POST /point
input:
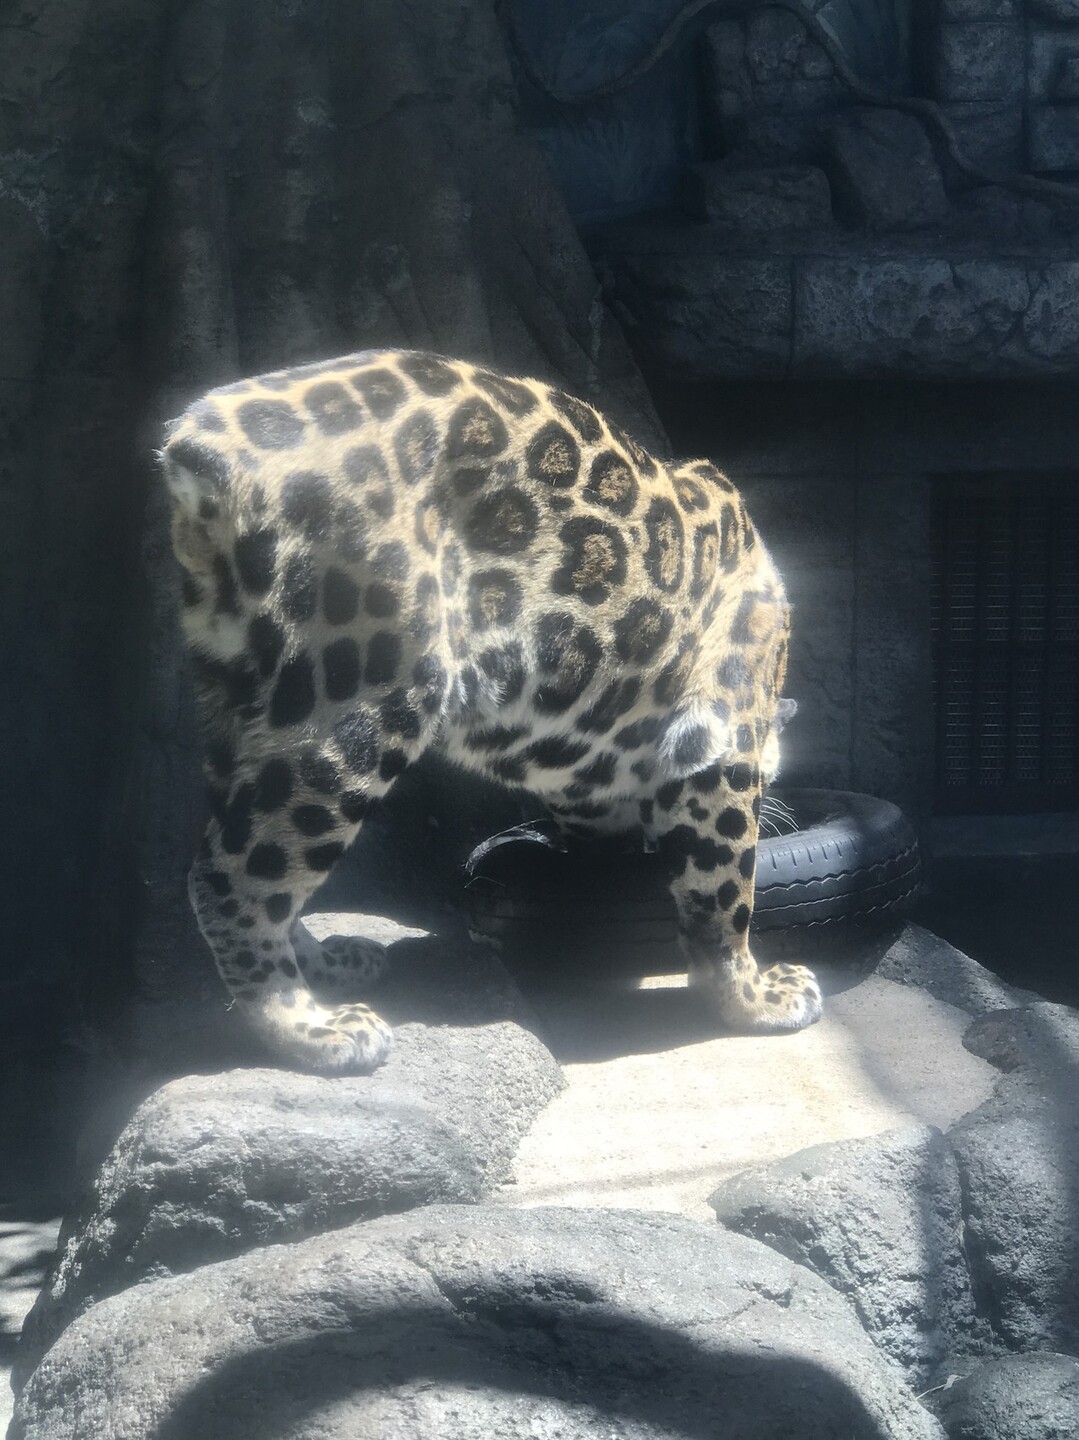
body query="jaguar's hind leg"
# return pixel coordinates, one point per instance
(706, 827)
(276, 832)
(346, 963)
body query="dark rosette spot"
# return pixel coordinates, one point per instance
(267, 641)
(684, 843)
(504, 667)
(256, 553)
(267, 862)
(381, 601)
(236, 819)
(729, 538)
(365, 465)
(733, 672)
(691, 493)
(671, 682)
(293, 697)
(512, 395)
(476, 432)
(705, 558)
(392, 764)
(740, 920)
(355, 805)
(747, 863)
(556, 752)
(319, 773)
(691, 747)
(312, 820)
(707, 781)
(341, 668)
(300, 588)
(495, 737)
(742, 776)
(273, 786)
(355, 737)
(593, 560)
(727, 894)
(381, 389)
(642, 631)
(191, 592)
(641, 732)
(553, 456)
(619, 697)
(332, 408)
(340, 597)
(502, 522)
(205, 464)
(398, 716)
(581, 416)
(416, 447)
(323, 857)
(665, 557)
(307, 503)
(510, 769)
(390, 561)
(568, 656)
(494, 598)
(732, 823)
(271, 424)
(278, 907)
(429, 373)
(430, 675)
(383, 657)
(600, 771)
(612, 483)
(208, 417)
(227, 598)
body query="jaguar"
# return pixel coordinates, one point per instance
(393, 551)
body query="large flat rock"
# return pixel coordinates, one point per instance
(657, 1111)
(478, 1322)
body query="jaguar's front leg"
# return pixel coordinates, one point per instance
(706, 828)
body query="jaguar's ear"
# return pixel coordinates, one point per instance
(785, 711)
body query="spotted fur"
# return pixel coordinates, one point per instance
(392, 551)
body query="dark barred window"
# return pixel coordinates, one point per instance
(1005, 607)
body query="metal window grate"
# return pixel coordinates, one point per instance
(1005, 616)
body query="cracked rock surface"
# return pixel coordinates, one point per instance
(476, 1321)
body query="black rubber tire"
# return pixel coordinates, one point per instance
(849, 873)
(852, 855)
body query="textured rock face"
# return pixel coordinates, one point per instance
(883, 171)
(759, 199)
(1017, 1397)
(211, 1166)
(881, 1221)
(477, 1322)
(1018, 1157)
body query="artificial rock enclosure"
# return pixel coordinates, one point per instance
(829, 245)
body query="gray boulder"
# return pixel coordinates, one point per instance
(880, 1220)
(883, 171)
(1039, 1037)
(214, 1165)
(759, 199)
(1018, 1159)
(1015, 1397)
(478, 1322)
(924, 960)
